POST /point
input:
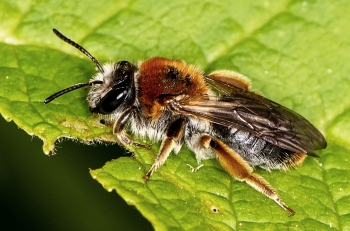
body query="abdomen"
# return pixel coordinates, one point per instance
(255, 151)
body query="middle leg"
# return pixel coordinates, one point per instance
(174, 135)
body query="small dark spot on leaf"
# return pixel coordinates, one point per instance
(214, 209)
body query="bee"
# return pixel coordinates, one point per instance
(214, 115)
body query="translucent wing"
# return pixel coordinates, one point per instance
(261, 117)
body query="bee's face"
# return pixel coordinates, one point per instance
(116, 90)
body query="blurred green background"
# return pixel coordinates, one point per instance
(39, 192)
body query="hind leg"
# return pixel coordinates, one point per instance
(235, 165)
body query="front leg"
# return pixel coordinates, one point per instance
(122, 136)
(174, 134)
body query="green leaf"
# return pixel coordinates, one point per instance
(295, 52)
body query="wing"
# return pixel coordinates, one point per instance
(261, 117)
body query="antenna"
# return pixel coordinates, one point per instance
(69, 89)
(80, 48)
(79, 85)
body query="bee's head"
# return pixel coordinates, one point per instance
(117, 89)
(110, 89)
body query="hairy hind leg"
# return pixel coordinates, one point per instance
(235, 165)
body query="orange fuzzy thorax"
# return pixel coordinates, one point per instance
(161, 76)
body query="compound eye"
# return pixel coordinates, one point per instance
(124, 63)
(112, 100)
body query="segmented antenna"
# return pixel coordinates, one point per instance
(79, 85)
(69, 89)
(80, 48)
